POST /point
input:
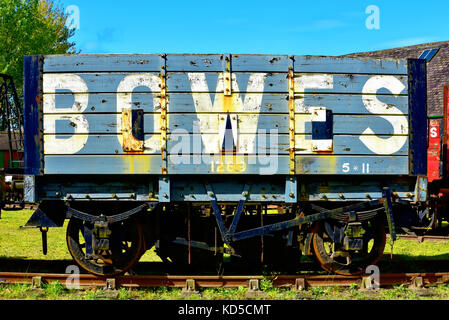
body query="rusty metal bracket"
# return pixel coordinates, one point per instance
(227, 76)
(163, 117)
(291, 114)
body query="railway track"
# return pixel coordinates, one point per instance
(422, 238)
(192, 282)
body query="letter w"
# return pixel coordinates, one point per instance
(208, 112)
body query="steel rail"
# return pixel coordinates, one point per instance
(423, 237)
(184, 281)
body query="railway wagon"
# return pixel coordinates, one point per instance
(437, 169)
(210, 157)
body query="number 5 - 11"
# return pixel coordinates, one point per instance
(346, 167)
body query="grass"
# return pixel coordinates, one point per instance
(26, 243)
(17, 243)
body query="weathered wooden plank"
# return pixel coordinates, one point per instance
(256, 102)
(349, 145)
(259, 63)
(357, 124)
(349, 65)
(228, 164)
(350, 83)
(210, 123)
(185, 103)
(102, 63)
(213, 62)
(418, 115)
(278, 83)
(275, 144)
(32, 115)
(196, 164)
(186, 144)
(188, 190)
(355, 189)
(213, 82)
(94, 123)
(260, 82)
(247, 123)
(101, 103)
(80, 83)
(96, 144)
(100, 164)
(352, 165)
(347, 104)
(195, 62)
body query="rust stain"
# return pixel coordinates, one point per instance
(130, 143)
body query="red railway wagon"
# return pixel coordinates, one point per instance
(438, 164)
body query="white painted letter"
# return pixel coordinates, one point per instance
(398, 120)
(78, 87)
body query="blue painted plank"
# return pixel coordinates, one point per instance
(209, 123)
(273, 83)
(100, 103)
(194, 62)
(99, 82)
(185, 144)
(418, 116)
(213, 62)
(226, 190)
(32, 116)
(180, 82)
(278, 83)
(322, 64)
(355, 190)
(259, 62)
(352, 165)
(97, 144)
(346, 83)
(228, 164)
(343, 124)
(184, 103)
(102, 63)
(97, 165)
(347, 104)
(347, 145)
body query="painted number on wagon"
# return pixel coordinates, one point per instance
(347, 167)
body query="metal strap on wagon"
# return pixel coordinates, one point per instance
(111, 219)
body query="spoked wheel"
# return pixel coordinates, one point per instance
(126, 247)
(334, 258)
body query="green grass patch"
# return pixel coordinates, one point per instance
(26, 243)
(412, 250)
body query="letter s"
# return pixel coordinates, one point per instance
(398, 120)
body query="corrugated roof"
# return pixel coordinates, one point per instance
(437, 69)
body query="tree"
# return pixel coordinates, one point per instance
(31, 27)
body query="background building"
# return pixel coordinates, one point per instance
(437, 68)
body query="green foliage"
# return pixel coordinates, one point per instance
(30, 27)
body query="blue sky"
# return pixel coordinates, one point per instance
(265, 27)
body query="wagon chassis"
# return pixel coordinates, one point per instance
(97, 229)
